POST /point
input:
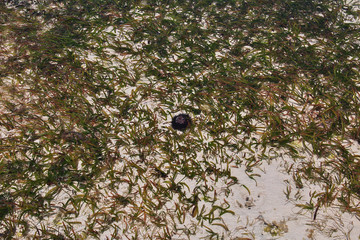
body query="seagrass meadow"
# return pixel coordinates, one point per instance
(89, 89)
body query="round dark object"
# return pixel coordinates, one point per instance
(181, 122)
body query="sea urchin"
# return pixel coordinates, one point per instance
(181, 122)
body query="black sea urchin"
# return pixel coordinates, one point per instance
(181, 122)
